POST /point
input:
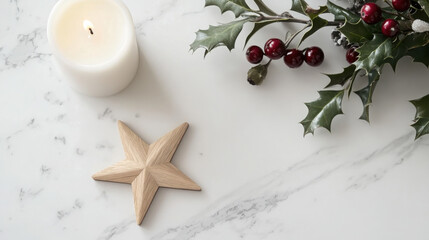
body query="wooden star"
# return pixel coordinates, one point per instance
(147, 167)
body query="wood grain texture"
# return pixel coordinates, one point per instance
(147, 167)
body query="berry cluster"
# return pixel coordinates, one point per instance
(371, 14)
(275, 49)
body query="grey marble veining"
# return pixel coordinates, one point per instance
(271, 192)
(260, 178)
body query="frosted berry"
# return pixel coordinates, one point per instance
(390, 28)
(314, 56)
(371, 13)
(352, 55)
(274, 48)
(293, 58)
(254, 54)
(401, 5)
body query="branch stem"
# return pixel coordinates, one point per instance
(399, 14)
(293, 20)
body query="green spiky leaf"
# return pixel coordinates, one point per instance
(421, 126)
(366, 93)
(356, 32)
(341, 78)
(420, 55)
(374, 54)
(316, 24)
(340, 14)
(421, 120)
(415, 40)
(420, 14)
(422, 107)
(417, 45)
(323, 110)
(299, 6)
(238, 7)
(222, 35)
(302, 7)
(406, 45)
(398, 51)
(425, 5)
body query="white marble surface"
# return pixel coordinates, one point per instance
(260, 178)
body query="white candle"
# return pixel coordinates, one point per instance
(94, 45)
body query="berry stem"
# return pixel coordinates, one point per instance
(392, 13)
(295, 34)
(399, 14)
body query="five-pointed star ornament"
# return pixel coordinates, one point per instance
(147, 167)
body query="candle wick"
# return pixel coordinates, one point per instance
(90, 31)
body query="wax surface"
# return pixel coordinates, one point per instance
(77, 43)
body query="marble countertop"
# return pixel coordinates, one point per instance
(260, 178)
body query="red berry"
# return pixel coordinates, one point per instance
(401, 5)
(371, 13)
(351, 55)
(390, 28)
(254, 54)
(314, 56)
(274, 48)
(293, 58)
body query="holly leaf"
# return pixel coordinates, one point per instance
(415, 40)
(380, 50)
(421, 14)
(299, 6)
(425, 5)
(414, 45)
(407, 44)
(222, 35)
(302, 7)
(316, 24)
(258, 25)
(366, 93)
(422, 106)
(356, 32)
(374, 53)
(264, 8)
(420, 54)
(421, 124)
(323, 110)
(236, 6)
(340, 14)
(398, 51)
(341, 78)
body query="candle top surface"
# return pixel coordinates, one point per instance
(90, 32)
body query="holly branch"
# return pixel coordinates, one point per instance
(373, 36)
